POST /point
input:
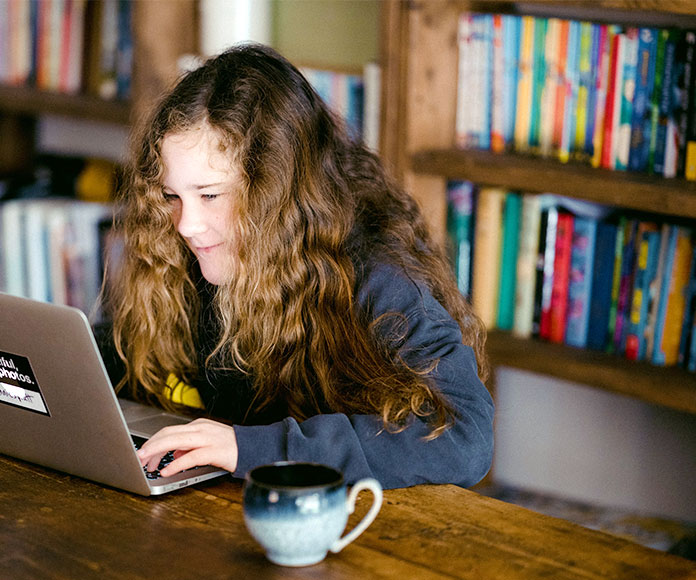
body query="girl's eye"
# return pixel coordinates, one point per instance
(170, 197)
(210, 196)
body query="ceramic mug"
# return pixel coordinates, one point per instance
(298, 511)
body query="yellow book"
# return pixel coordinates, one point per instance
(487, 247)
(525, 84)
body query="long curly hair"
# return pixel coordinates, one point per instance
(314, 204)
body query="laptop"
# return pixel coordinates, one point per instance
(58, 407)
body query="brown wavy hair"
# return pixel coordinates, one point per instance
(314, 206)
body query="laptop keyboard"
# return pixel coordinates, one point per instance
(166, 460)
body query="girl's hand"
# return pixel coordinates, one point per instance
(200, 442)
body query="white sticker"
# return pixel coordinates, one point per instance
(18, 385)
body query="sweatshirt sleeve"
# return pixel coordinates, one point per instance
(357, 444)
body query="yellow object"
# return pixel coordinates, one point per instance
(97, 181)
(182, 394)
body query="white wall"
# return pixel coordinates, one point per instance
(591, 445)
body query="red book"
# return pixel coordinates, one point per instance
(561, 277)
(609, 110)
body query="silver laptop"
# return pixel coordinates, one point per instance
(58, 407)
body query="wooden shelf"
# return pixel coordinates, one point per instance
(32, 102)
(670, 387)
(532, 174)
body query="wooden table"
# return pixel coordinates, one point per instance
(54, 526)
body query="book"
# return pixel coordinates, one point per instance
(688, 320)
(648, 251)
(676, 115)
(486, 267)
(508, 260)
(561, 277)
(460, 208)
(690, 145)
(625, 114)
(602, 83)
(527, 261)
(538, 80)
(552, 79)
(525, 80)
(549, 227)
(672, 299)
(511, 42)
(598, 329)
(585, 85)
(624, 284)
(664, 101)
(559, 103)
(463, 116)
(498, 86)
(684, 84)
(645, 82)
(580, 280)
(479, 84)
(613, 104)
(572, 76)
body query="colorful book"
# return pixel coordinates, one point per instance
(628, 84)
(539, 78)
(552, 80)
(625, 283)
(676, 117)
(613, 106)
(525, 83)
(689, 318)
(464, 119)
(595, 71)
(527, 260)
(690, 145)
(602, 282)
(511, 43)
(681, 106)
(645, 82)
(672, 300)
(572, 76)
(560, 98)
(549, 227)
(561, 277)
(580, 280)
(664, 101)
(460, 207)
(585, 84)
(486, 267)
(602, 84)
(508, 261)
(643, 292)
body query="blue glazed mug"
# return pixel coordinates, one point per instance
(298, 511)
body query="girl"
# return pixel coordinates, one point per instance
(273, 268)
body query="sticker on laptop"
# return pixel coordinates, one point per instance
(18, 386)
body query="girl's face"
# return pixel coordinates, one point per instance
(200, 184)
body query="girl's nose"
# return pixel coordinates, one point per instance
(190, 220)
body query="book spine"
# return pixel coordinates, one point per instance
(645, 80)
(560, 97)
(646, 268)
(463, 119)
(539, 77)
(592, 99)
(460, 207)
(689, 311)
(511, 43)
(572, 80)
(486, 266)
(628, 83)
(613, 112)
(561, 277)
(665, 101)
(527, 259)
(674, 129)
(508, 261)
(602, 84)
(551, 80)
(498, 95)
(580, 152)
(600, 294)
(672, 307)
(580, 280)
(626, 272)
(524, 84)
(550, 230)
(690, 146)
(685, 85)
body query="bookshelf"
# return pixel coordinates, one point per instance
(419, 51)
(154, 67)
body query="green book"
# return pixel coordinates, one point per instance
(508, 260)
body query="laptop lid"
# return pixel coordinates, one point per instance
(58, 407)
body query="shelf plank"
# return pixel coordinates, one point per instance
(30, 101)
(630, 190)
(670, 387)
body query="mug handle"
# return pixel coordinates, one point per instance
(376, 489)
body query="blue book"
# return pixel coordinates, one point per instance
(643, 293)
(592, 97)
(511, 42)
(645, 82)
(689, 311)
(573, 80)
(598, 333)
(580, 281)
(482, 44)
(664, 103)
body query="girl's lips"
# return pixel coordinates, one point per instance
(206, 249)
